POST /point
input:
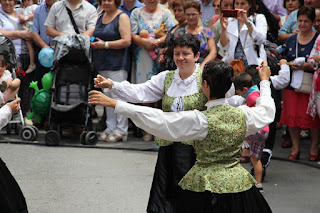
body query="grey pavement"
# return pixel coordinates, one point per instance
(116, 177)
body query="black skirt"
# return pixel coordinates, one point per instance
(250, 201)
(11, 197)
(173, 163)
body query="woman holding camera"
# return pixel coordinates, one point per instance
(245, 43)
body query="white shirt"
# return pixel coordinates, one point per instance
(249, 43)
(5, 115)
(282, 80)
(193, 125)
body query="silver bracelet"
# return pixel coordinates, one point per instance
(106, 45)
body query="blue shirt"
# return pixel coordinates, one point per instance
(128, 12)
(40, 16)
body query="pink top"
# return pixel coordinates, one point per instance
(251, 102)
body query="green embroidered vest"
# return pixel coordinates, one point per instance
(191, 102)
(217, 168)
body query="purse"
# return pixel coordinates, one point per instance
(307, 79)
(238, 66)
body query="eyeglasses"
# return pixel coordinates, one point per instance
(191, 14)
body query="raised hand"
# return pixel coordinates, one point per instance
(101, 82)
(98, 98)
(264, 71)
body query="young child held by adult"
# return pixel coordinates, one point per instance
(26, 18)
(8, 87)
(245, 88)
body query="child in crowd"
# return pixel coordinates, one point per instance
(8, 87)
(245, 88)
(26, 18)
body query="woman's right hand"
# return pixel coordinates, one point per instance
(101, 82)
(223, 22)
(150, 44)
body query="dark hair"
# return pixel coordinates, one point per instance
(252, 9)
(300, 1)
(178, 3)
(242, 80)
(192, 4)
(254, 73)
(219, 76)
(3, 61)
(117, 2)
(308, 11)
(187, 40)
(272, 22)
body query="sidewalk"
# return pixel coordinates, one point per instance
(69, 140)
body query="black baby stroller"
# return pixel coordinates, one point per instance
(8, 50)
(72, 81)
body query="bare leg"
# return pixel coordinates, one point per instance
(295, 138)
(13, 89)
(314, 141)
(257, 166)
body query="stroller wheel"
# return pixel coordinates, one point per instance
(36, 131)
(91, 138)
(27, 133)
(9, 128)
(83, 138)
(52, 138)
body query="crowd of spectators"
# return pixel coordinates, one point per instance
(122, 53)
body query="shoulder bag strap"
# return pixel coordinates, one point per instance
(72, 20)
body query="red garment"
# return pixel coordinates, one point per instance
(294, 109)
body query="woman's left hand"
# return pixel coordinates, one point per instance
(304, 66)
(98, 98)
(100, 44)
(242, 15)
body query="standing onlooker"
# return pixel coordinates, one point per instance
(128, 6)
(244, 87)
(217, 12)
(166, 61)
(26, 19)
(59, 23)
(290, 26)
(216, 28)
(208, 50)
(111, 60)
(40, 37)
(295, 103)
(291, 5)
(276, 8)
(207, 11)
(150, 18)
(11, 27)
(243, 37)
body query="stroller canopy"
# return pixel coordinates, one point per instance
(8, 49)
(67, 42)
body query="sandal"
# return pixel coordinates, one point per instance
(103, 135)
(115, 137)
(286, 144)
(293, 156)
(244, 159)
(313, 157)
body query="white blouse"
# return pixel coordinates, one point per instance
(193, 125)
(153, 89)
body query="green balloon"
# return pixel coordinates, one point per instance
(47, 81)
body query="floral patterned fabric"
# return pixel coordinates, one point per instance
(204, 37)
(190, 102)
(217, 168)
(139, 19)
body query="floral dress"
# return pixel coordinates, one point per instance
(205, 35)
(145, 66)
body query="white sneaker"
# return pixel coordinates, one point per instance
(260, 187)
(28, 122)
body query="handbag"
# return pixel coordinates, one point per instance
(307, 79)
(238, 66)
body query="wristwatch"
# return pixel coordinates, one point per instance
(249, 24)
